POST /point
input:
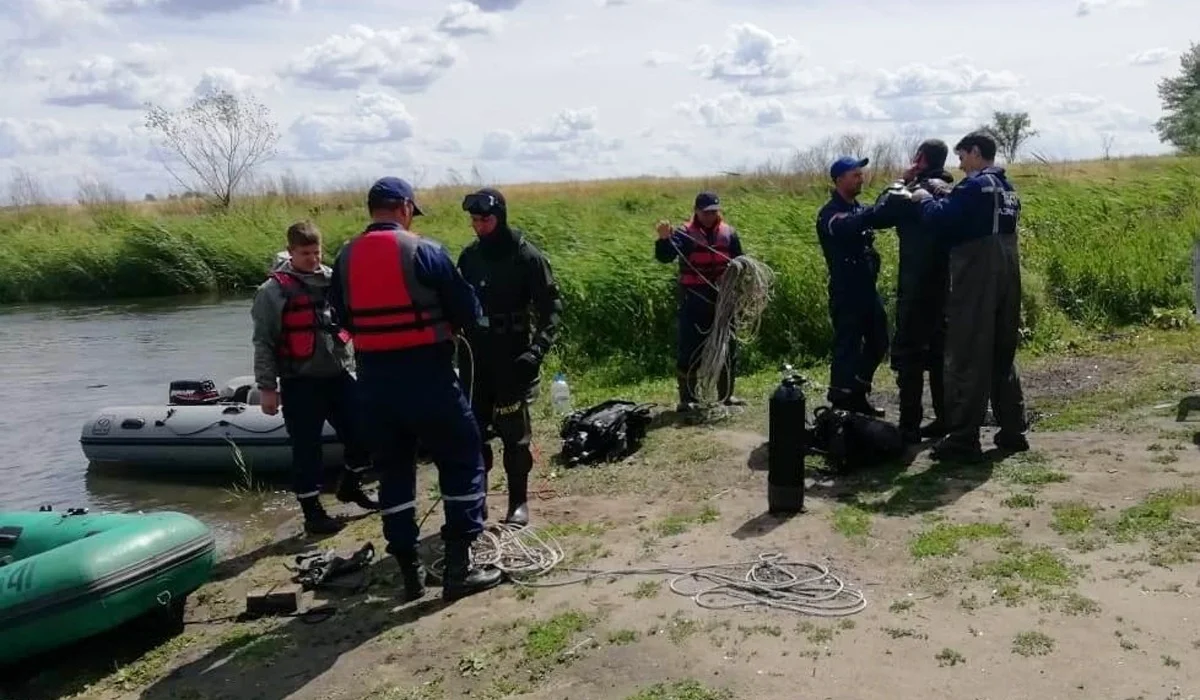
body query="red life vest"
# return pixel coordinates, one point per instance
(387, 306)
(706, 262)
(300, 324)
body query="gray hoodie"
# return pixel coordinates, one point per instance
(329, 359)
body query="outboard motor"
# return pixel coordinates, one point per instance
(192, 392)
(787, 443)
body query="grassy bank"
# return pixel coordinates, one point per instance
(1105, 243)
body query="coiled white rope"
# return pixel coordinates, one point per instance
(771, 580)
(742, 297)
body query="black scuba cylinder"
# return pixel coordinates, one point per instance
(787, 443)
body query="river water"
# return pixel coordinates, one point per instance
(60, 363)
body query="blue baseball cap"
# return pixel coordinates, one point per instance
(393, 189)
(708, 201)
(845, 164)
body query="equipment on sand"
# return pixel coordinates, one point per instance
(68, 576)
(606, 432)
(851, 440)
(787, 443)
(196, 432)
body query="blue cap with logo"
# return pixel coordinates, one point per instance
(708, 201)
(393, 189)
(845, 164)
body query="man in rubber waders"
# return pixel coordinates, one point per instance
(704, 245)
(920, 300)
(302, 362)
(514, 284)
(846, 231)
(403, 300)
(978, 222)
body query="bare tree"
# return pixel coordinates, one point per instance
(26, 190)
(1106, 142)
(220, 139)
(1011, 130)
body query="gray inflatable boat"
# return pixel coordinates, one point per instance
(196, 432)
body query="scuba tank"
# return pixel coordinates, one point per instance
(787, 443)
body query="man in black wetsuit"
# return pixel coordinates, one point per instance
(522, 309)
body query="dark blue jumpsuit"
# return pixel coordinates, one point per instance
(414, 395)
(860, 339)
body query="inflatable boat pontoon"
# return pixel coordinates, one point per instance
(196, 432)
(68, 576)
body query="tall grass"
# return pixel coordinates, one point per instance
(1104, 243)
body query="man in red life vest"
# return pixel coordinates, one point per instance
(704, 245)
(403, 299)
(298, 343)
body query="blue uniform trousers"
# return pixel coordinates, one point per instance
(306, 403)
(413, 396)
(860, 338)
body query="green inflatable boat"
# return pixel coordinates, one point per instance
(68, 576)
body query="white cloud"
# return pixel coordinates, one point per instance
(406, 59)
(659, 58)
(568, 137)
(1086, 7)
(757, 62)
(496, 5)
(920, 79)
(374, 118)
(127, 83)
(464, 18)
(1150, 57)
(230, 80)
(733, 109)
(52, 21)
(569, 92)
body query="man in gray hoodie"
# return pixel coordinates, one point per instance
(302, 360)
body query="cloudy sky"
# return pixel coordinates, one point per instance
(553, 89)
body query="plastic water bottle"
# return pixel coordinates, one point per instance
(560, 394)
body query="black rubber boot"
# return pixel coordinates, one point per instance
(350, 490)
(518, 497)
(687, 402)
(461, 578)
(1011, 441)
(956, 448)
(412, 575)
(316, 520)
(725, 384)
(910, 386)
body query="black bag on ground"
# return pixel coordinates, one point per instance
(851, 441)
(606, 432)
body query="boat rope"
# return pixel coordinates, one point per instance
(771, 580)
(743, 293)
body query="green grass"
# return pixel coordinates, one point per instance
(944, 539)
(1142, 214)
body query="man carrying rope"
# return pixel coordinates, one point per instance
(704, 246)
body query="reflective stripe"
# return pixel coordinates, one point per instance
(835, 217)
(996, 189)
(356, 470)
(310, 494)
(411, 505)
(466, 499)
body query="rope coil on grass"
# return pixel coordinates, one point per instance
(772, 580)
